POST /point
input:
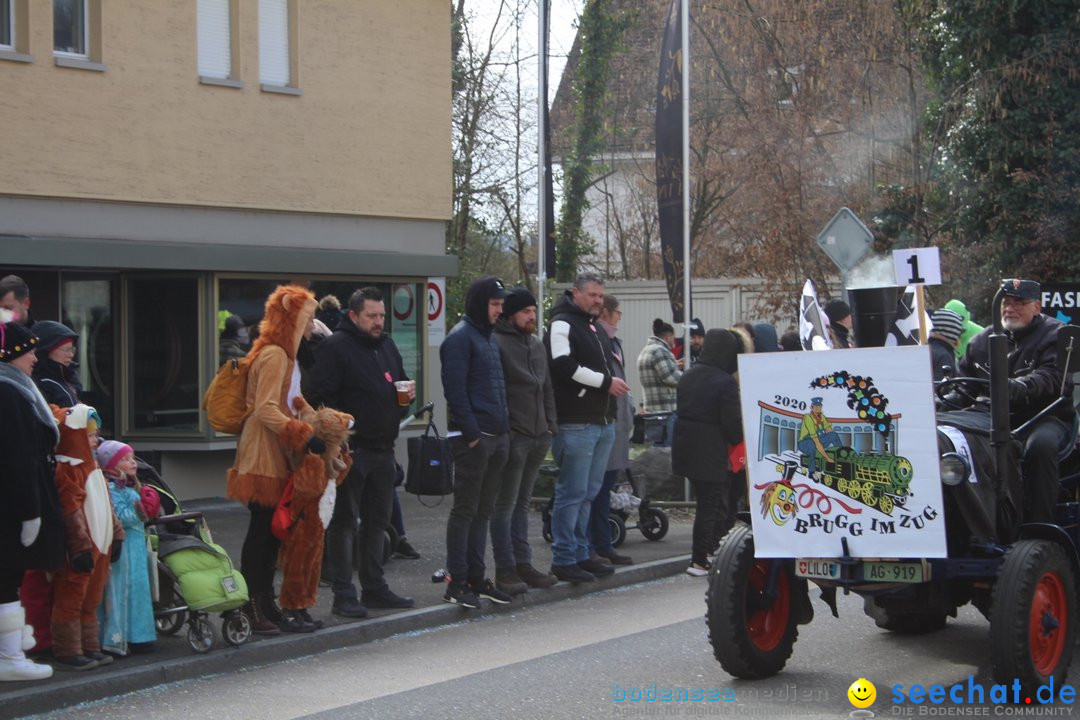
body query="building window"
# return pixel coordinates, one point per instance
(217, 39)
(277, 40)
(7, 25)
(86, 308)
(163, 389)
(70, 36)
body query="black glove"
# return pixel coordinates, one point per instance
(83, 562)
(316, 445)
(1017, 390)
(117, 547)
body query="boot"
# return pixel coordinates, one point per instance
(269, 607)
(259, 622)
(509, 582)
(13, 663)
(533, 577)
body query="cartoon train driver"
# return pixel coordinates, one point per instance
(815, 435)
(778, 499)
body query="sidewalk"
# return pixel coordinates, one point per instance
(173, 659)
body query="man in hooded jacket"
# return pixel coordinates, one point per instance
(475, 390)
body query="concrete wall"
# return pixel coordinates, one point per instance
(368, 135)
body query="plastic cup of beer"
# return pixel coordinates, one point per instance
(404, 388)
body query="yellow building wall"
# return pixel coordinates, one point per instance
(370, 135)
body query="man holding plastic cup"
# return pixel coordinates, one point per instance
(358, 370)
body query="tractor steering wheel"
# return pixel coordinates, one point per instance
(960, 386)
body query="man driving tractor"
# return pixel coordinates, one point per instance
(1034, 382)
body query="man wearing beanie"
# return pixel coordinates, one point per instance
(1034, 382)
(839, 314)
(531, 400)
(697, 339)
(475, 391)
(944, 337)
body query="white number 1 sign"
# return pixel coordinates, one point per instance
(917, 266)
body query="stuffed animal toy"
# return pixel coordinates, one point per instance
(315, 480)
(93, 536)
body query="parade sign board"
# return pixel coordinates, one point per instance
(842, 444)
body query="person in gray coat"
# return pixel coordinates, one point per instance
(619, 460)
(709, 423)
(531, 400)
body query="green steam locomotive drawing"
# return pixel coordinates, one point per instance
(879, 481)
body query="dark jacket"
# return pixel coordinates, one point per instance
(579, 356)
(1032, 361)
(355, 373)
(60, 385)
(472, 374)
(529, 392)
(709, 419)
(619, 459)
(27, 487)
(942, 359)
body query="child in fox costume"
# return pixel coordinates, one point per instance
(93, 535)
(315, 482)
(272, 432)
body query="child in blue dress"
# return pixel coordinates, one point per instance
(127, 611)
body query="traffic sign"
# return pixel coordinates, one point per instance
(845, 239)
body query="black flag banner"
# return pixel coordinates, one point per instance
(812, 321)
(905, 328)
(669, 155)
(549, 185)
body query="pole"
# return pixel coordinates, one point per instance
(686, 195)
(541, 232)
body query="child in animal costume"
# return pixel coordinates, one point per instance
(315, 482)
(94, 538)
(271, 433)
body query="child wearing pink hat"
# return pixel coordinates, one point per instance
(127, 610)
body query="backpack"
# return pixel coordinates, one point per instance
(225, 400)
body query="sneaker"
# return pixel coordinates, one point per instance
(385, 598)
(293, 622)
(699, 569)
(460, 594)
(487, 590)
(615, 558)
(406, 551)
(74, 662)
(599, 569)
(348, 607)
(260, 625)
(100, 657)
(509, 582)
(306, 617)
(533, 577)
(572, 573)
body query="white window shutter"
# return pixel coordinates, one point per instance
(274, 42)
(215, 39)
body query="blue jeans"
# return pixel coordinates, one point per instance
(582, 452)
(510, 520)
(809, 449)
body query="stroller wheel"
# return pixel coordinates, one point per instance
(170, 622)
(390, 541)
(618, 530)
(200, 634)
(236, 629)
(654, 524)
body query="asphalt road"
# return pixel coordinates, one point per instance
(570, 659)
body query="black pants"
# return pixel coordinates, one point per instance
(1039, 466)
(10, 580)
(366, 495)
(258, 557)
(713, 517)
(478, 473)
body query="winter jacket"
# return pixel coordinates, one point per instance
(1032, 360)
(942, 359)
(472, 374)
(60, 385)
(27, 486)
(529, 392)
(579, 357)
(619, 459)
(355, 373)
(659, 374)
(708, 419)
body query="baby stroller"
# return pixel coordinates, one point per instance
(195, 576)
(652, 522)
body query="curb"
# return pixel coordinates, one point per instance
(35, 699)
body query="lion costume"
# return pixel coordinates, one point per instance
(315, 481)
(272, 432)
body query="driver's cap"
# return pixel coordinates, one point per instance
(1023, 289)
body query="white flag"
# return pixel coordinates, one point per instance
(813, 321)
(905, 328)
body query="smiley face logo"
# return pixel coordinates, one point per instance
(862, 693)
